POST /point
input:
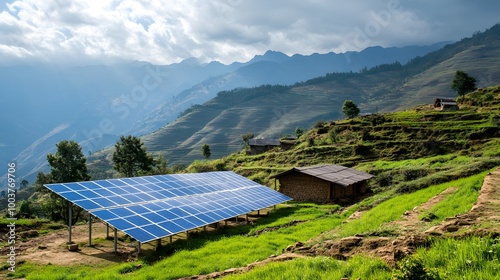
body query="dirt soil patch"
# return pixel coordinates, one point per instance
(52, 248)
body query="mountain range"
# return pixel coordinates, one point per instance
(95, 104)
(273, 111)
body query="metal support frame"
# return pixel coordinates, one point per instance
(90, 230)
(115, 240)
(107, 231)
(158, 242)
(70, 218)
(170, 238)
(246, 218)
(138, 248)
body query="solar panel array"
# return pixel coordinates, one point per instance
(153, 207)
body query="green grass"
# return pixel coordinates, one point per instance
(461, 200)
(210, 252)
(470, 258)
(320, 268)
(393, 208)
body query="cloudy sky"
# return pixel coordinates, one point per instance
(167, 31)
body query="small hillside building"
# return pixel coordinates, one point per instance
(323, 183)
(259, 146)
(445, 104)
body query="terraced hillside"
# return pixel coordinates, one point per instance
(433, 146)
(272, 111)
(434, 211)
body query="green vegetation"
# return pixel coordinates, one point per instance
(463, 83)
(68, 164)
(205, 150)
(469, 258)
(359, 267)
(131, 158)
(350, 109)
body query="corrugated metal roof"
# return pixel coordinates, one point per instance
(337, 174)
(448, 103)
(264, 142)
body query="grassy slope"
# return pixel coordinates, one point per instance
(465, 143)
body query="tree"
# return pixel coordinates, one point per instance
(350, 109)
(246, 138)
(160, 166)
(205, 149)
(299, 131)
(24, 183)
(131, 158)
(463, 83)
(68, 164)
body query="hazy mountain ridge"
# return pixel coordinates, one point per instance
(98, 103)
(273, 111)
(278, 68)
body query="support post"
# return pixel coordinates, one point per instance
(115, 239)
(258, 213)
(236, 220)
(204, 228)
(170, 238)
(246, 218)
(70, 218)
(225, 223)
(158, 242)
(90, 230)
(138, 248)
(107, 231)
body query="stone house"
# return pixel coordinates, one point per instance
(445, 104)
(259, 146)
(323, 183)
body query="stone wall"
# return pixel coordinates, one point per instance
(302, 187)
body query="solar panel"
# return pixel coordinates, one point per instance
(153, 207)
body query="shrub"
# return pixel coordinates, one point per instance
(414, 269)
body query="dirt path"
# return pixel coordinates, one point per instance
(411, 224)
(484, 217)
(482, 220)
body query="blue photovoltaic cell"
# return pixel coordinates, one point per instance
(140, 234)
(105, 214)
(153, 207)
(120, 224)
(155, 218)
(74, 186)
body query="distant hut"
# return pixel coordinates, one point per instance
(323, 183)
(288, 142)
(445, 104)
(259, 146)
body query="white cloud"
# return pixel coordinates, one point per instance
(163, 32)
